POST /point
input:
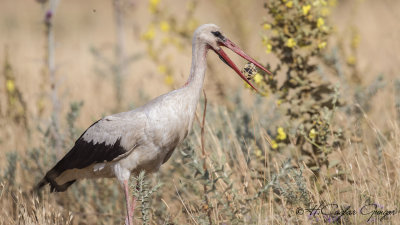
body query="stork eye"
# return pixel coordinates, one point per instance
(218, 35)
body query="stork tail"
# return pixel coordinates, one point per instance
(54, 187)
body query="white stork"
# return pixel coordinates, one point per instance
(144, 138)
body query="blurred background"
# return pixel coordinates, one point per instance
(79, 28)
(65, 64)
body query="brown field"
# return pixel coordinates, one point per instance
(370, 155)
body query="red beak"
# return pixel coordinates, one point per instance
(224, 57)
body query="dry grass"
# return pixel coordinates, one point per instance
(250, 182)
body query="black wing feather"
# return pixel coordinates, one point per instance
(82, 155)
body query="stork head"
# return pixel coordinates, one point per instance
(212, 36)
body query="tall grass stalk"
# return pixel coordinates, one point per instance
(51, 70)
(119, 69)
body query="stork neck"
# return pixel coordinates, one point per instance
(198, 68)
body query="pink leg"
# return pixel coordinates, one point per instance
(129, 209)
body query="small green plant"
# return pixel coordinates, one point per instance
(143, 193)
(16, 108)
(297, 33)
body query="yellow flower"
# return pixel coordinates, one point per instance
(274, 145)
(169, 80)
(281, 134)
(10, 86)
(154, 2)
(149, 34)
(322, 45)
(269, 48)
(351, 60)
(306, 9)
(289, 4)
(257, 78)
(290, 43)
(267, 26)
(312, 134)
(258, 152)
(320, 22)
(278, 102)
(164, 26)
(153, 5)
(162, 69)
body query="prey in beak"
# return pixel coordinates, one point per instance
(223, 41)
